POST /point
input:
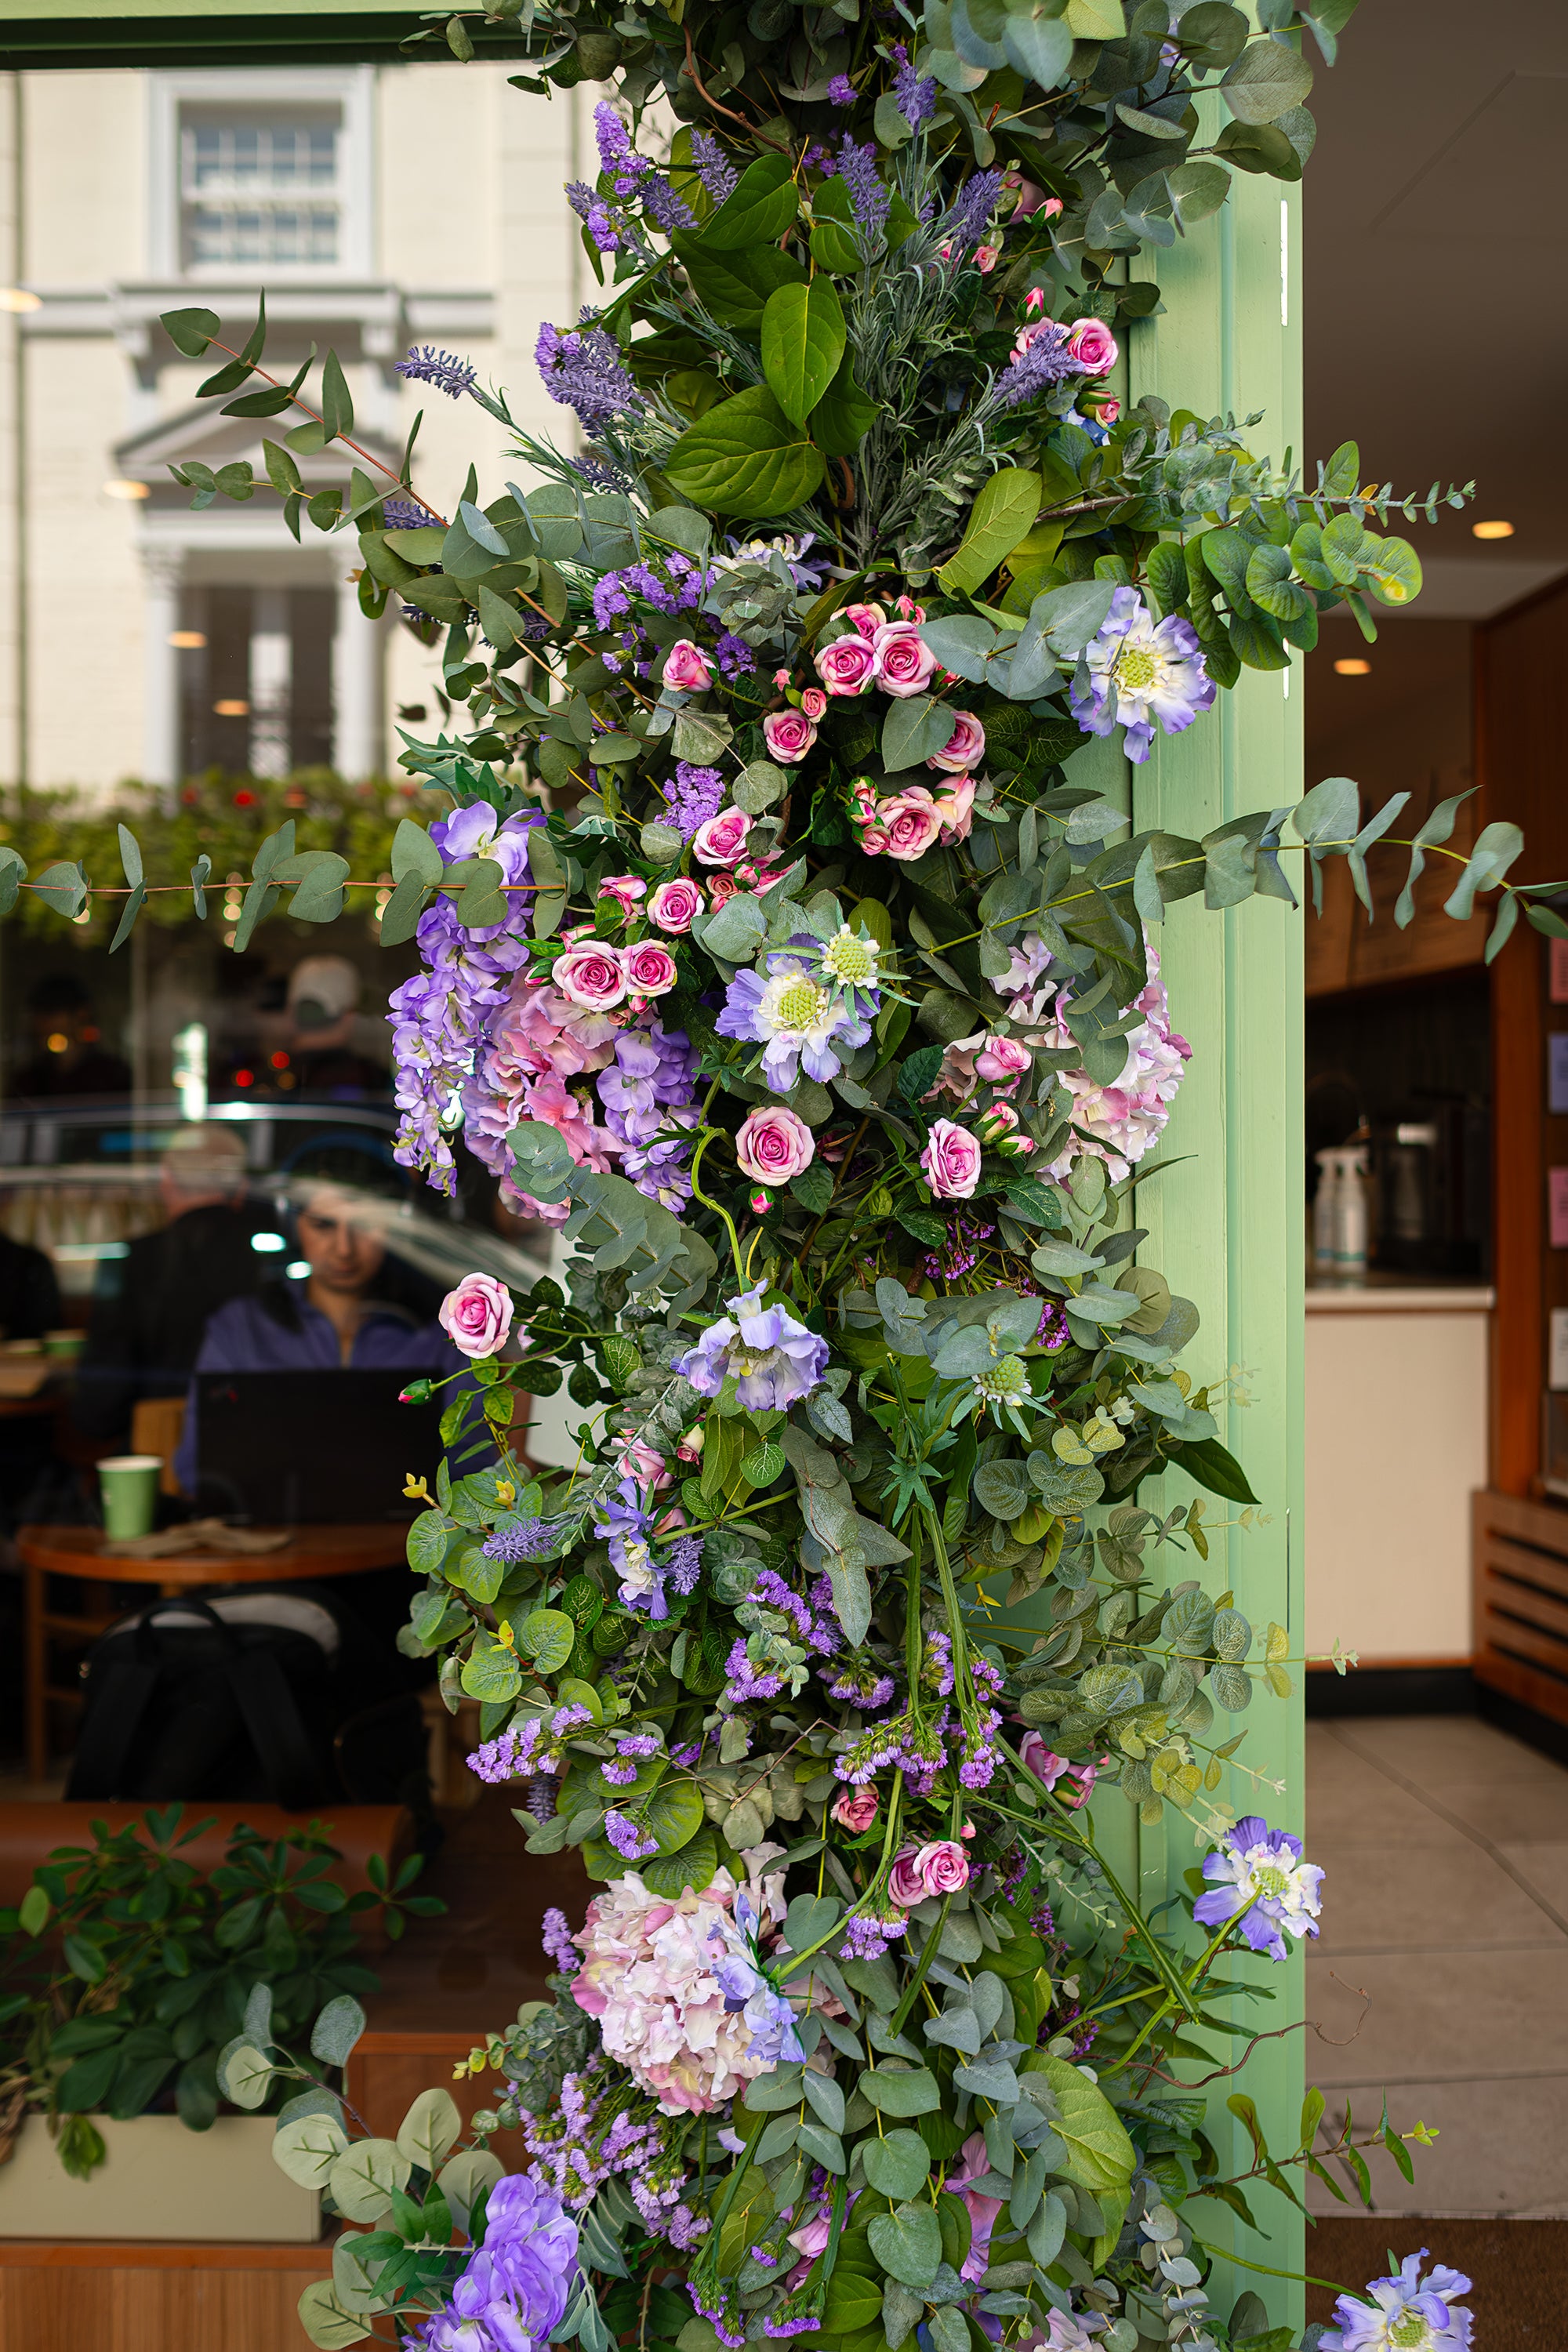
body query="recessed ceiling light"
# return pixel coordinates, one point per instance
(127, 490)
(1354, 668)
(17, 298)
(232, 710)
(188, 640)
(1491, 531)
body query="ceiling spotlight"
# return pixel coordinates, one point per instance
(1354, 668)
(123, 489)
(1491, 531)
(17, 298)
(189, 641)
(232, 710)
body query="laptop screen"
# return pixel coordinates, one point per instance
(287, 1449)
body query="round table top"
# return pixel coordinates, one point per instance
(311, 1552)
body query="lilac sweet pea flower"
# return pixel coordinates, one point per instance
(1405, 2311)
(627, 1527)
(1259, 1876)
(775, 1359)
(477, 831)
(1138, 671)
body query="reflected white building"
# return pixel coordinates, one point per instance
(379, 207)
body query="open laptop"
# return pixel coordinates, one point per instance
(289, 1449)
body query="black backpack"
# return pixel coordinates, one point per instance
(245, 1706)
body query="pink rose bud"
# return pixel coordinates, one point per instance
(1107, 408)
(625, 889)
(774, 1143)
(847, 666)
(759, 1201)
(686, 669)
(1041, 1760)
(864, 619)
(855, 1810)
(674, 905)
(908, 610)
(722, 886)
(965, 748)
(650, 970)
(477, 1315)
(1036, 301)
(987, 257)
(952, 1162)
(690, 1446)
(781, 679)
(904, 661)
(813, 702)
(592, 976)
(641, 1462)
(789, 735)
(998, 1121)
(1002, 1060)
(1092, 342)
(722, 840)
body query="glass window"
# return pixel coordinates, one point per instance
(261, 191)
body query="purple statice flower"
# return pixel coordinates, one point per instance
(1137, 670)
(938, 1666)
(870, 201)
(406, 514)
(445, 370)
(673, 585)
(682, 1564)
(627, 1526)
(1257, 1877)
(619, 1772)
(1045, 362)
(1053, 1332)
(713, 166)
(694, 796)
(771, 1590)
(594, 215)
(915, 1748)
(818, 158)
(841, 91)
(734, 656)
(516, 2286)
(520, 1539)
(800, 1023)
(713, 2302)
(773, 1360)
(1405, 2309)
(583, 369)
(745, 1682)
(640, 1744)
(860, 1686)
(557, 1938)
(914, 94)
(866, 1939)
(509, 1756)
(630, 1842)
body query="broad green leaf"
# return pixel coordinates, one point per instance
(190, 331)
(834, 239)
(897, 2165)
(1096, 20)
(802, 343)
(63, 886)
(1391, 570)
(337, 2029)
(915, 727)
(693, 1864)
(1212, 36)
(461, 2180)
(1100, 2156)
(1041, 44)
(363, 2179)
(745, 458)
(431, 2127)
(901, 2091)
(735, 286)
(908, 2243)
(1265, 82)
(1001, 517)
(308, 2147)
(844, 415)
(760, 209)
(414, 852)
(326, 2322)
(548, 1636)
(1198, 189)
(246, 2077)
(673, 1814)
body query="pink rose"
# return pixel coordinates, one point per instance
(1107, 408)
(905, 1885)
(625, 889)
(906, 826)
(855, 1810)
(477, 1315)
(789, 735)
(641, 1462)
(781, 679)
(1041, 1760)
(773, 1144)
(1026, 335)
(847, 666)
(650, 970)
(722, 840)
(965, 748)
(686, 669)
(952, 1162)
(675, 905)
(593, 975)
(1092, 342)
(865, 619)
(939, 1869)
(722, 886)
(904, 661)
(813, 702)
(1003, 1060)
(956, 809)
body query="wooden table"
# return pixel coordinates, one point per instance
(310, 1554)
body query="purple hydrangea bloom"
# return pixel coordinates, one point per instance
(870, 201)
(1257, 1874)
(583, 369)
(799, 1022)
(841, 91)
(713, 166)
(915, 93)
(693, 797)
(1047, 361)
(775, 1361)
(1405, 2309)
(1138, 671)
(517, 2285)
(445, 370)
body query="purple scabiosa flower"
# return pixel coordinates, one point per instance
(627, 1526)
(799, 1022)
(1406, 2310)
(1046, 360)
(841, 91)
(583, 369)
(516, 2286)
(445, 370)
(713, 166)
(557, 1938)
(630, 1842)
(870, 201)
(773, 1360)
(694, 795)
(914, 94)
(1257, 1877)
(1137, 670)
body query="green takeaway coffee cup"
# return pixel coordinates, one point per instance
(129, 1484)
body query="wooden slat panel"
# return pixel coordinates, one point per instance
(1506, 1596)
(1529, 1566)
(1519, 1555)
(1524, 1640)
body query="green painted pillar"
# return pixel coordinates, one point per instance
(1226, 1226)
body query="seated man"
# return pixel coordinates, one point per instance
(29, 1295)
(152, 1306)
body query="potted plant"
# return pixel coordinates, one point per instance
(126, 1975)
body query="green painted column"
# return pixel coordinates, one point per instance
(1226, 1224)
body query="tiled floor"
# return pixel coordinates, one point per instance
(1441, 1972)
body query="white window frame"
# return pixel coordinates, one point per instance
(349, 88)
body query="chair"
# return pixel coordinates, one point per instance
(157, 1425)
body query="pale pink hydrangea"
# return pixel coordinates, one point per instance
(1122, 1121)
(648, 1978)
